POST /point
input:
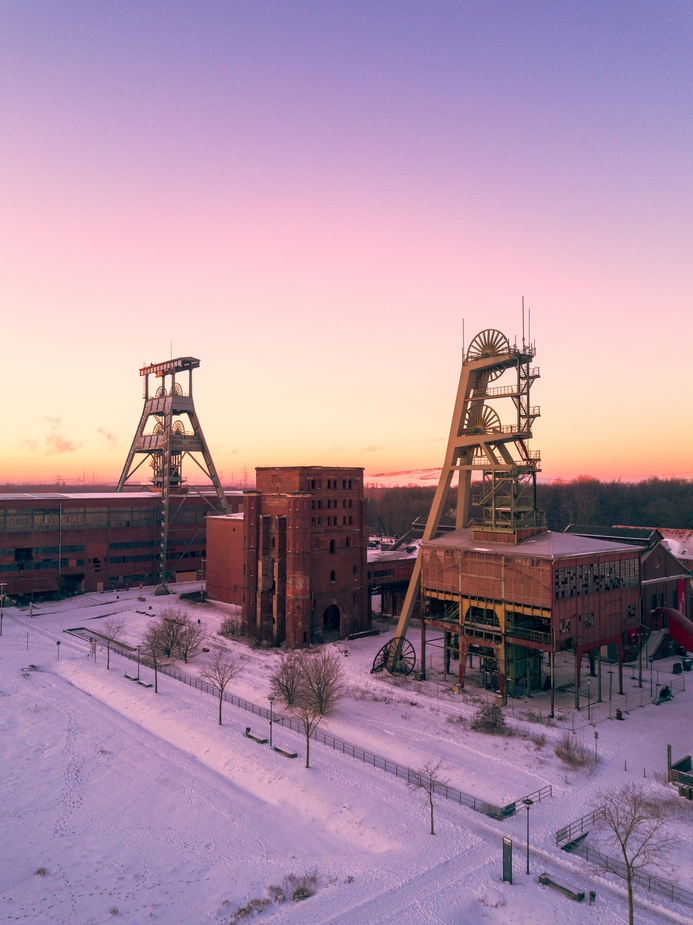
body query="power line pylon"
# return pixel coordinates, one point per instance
(162, 437)
(479, 443)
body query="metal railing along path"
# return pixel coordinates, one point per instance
(340, 745)
(580, 827)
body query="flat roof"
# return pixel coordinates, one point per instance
(100, 496)
(547, 545)
(309, 468)
(641, 536)
(397, 555)
(238, 516)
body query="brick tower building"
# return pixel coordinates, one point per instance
(296, 562)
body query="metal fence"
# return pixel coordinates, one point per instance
(325, 738)
(570, 833)
(599, 711)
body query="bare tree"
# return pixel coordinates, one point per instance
(426, 777)
(285, 677)
(170, 626)
(112, 631)
(631, 823)
(191, 639)
(321, 678)
(221, 671)
(152, 649)
(320, 687)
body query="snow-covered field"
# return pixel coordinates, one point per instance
(141, 803)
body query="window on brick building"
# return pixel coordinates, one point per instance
(333, 577)
(354, 569)
(565, 626)
(344, 521)
(320, 505)
(312, 520)
(312, 504)
(351, 519)
(348, 541)
(333, 546)
(350, 499)
(320, 521)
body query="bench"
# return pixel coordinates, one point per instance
(285, 753)
(131, 677)
(255, 738)
(144, 683)
(545, 880)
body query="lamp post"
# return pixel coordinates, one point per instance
(271, 703)
(138, 663)
(528, 803)
(596, 739)
(589, 702)
(58, 645)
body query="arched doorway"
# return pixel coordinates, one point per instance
(330, 622)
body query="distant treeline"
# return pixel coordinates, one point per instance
(652, 503)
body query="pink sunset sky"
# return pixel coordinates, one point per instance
(310, 197)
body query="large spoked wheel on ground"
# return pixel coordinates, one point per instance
(397, 656)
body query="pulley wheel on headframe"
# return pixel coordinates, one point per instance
(489, 343)
(397, 655)
(482, 419)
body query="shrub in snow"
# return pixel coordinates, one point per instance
(489, 718)
(293, 887)
(573, 751)
(231, 626)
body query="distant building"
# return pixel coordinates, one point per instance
(389, 574)
(296, 561)
(68, 542)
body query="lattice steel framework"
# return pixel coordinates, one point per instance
(480, 443)
(164, 438)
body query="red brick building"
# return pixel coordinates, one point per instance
(298, 566)
(68, 542)
(552, 592)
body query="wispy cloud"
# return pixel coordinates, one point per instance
(110, 438)
(373, 449)
(56, 442)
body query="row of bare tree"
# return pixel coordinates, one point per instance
(308, 683)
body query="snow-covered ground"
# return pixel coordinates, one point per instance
(142, 803)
